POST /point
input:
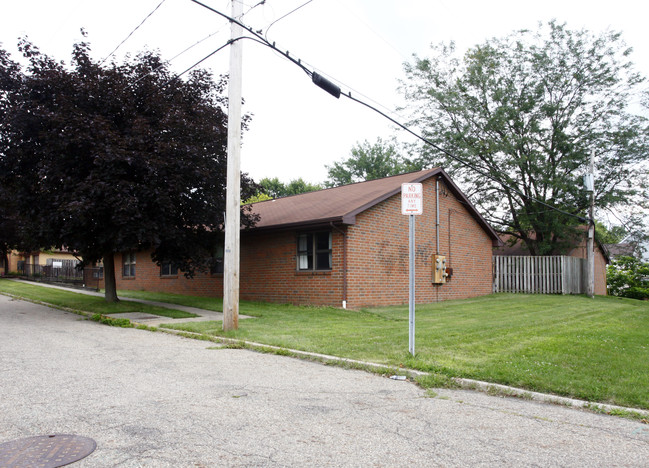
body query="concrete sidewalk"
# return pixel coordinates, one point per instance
(143, 318)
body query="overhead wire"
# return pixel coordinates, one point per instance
(187, 49)
(503, 182)
(629, 230)
(132, 32)
(231, 41)
(282, 17)
(262, 2)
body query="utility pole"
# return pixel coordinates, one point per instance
(590, 245)
(233, 193)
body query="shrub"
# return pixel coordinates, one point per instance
(628, 277)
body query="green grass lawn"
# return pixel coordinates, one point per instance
(77, 301)
(593, 349)
(207, 303)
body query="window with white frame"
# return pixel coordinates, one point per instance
(128, 265)
(314, 251)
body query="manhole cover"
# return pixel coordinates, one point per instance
(47, 451)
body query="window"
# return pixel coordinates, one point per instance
(128, 264)
(217, 261)
(168, 269)
(314, 251)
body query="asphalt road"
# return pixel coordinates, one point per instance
(157, 400)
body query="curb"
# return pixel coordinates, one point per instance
(466, 384)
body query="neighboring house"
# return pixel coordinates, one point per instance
(33, 262)
(619, 250)
(579, 250)
(346, 246)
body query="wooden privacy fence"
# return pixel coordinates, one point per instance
(542, 275)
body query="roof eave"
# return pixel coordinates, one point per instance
(311, 224)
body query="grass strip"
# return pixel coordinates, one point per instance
(588, 349)
(84, 302)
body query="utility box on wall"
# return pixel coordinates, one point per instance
(439, 269)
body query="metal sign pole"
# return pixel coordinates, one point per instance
(412, 204)
(411, 291)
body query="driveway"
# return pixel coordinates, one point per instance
(158, 400)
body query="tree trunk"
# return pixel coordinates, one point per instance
(109, 278)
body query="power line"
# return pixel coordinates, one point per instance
(262, 40)
(131, 33)
(262, 2)
(376, 33)
(187, 49)
(333, 89)
(230, 42)
(282, 17)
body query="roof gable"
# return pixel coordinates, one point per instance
(340, 205)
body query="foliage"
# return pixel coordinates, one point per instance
(113, 158)
(525, 112)
(612, 235)
(274, 188)
(628, 277)
(369, 162)
(257, 198)
(113, 322)
(9, 72)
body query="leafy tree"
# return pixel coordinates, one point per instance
(525, 112)
(257, 198)
(275, 188)
(628, 277)
(612, 235)
(109, 159)
(369, 162)
(9, 72)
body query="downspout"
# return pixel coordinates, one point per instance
(437, 216)
(344, 234)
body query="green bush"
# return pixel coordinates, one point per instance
(628, 277)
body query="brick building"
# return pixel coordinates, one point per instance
(347, 246)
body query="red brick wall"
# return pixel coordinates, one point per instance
(147, 278)
(378, 253)
(269, 271)
(377, 259)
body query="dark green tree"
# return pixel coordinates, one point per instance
(115, 158)
(275, 188)
(525, 112)
(369, 162)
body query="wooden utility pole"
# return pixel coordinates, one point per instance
(590, 245)
(233, 195)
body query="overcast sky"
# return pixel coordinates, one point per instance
(297, 128)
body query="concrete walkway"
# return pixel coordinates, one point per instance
(143, 318)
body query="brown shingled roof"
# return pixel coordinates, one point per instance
(340, 205)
